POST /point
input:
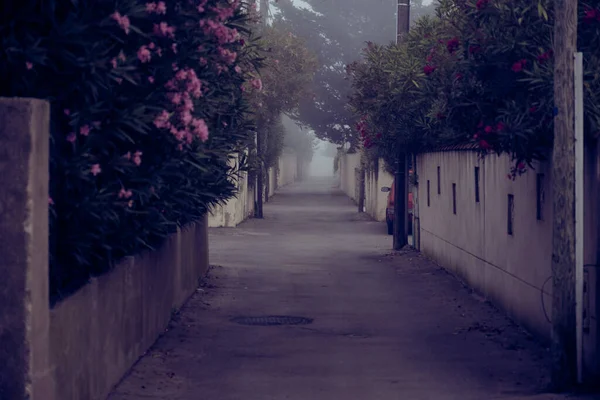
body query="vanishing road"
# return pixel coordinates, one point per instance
(384, 326)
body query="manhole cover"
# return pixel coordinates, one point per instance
(272, 320)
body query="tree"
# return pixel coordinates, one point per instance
(336, 31)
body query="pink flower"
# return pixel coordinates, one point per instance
(200, 129)
(95, 170)
(151, 46)
(161, 8)
(28, 65)
(175, 98)
(238, 69)
(71, 137)
(519, 65)
(484, 145)
(151, 7)
(122, 20)
(174, 48)
(481, 4)
(84, 130)
(144, 54)
(67, 112)
(151, 79)
(122, 56)
(452, 45)
(227, 56)
(257, 84)
(162, 120)
(125, 194)
(500, 126)
(164, 30)
(113, 62)
(137, 158)
(488, 129)
(203, 61)
(130, 203)
(428, 70)
(127, 155)
(50, 201)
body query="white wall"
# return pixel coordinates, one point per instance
(509, 269)
(348, 167)
(376, 201)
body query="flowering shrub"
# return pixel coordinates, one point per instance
(486, 76)
(147, 105)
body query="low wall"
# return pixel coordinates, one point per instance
(288, 169)
(349, 165)
(97, 334)
(238, 208)
(377, 177)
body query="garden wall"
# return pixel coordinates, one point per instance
(97, 334)
(349, 166)
(496, 233)
(377, 177)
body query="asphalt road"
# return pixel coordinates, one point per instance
(384, 326)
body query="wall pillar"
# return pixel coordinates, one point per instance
(24, 306)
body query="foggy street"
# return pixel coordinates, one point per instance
(383, 326)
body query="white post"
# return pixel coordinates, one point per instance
(579, 204)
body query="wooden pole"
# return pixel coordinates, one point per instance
(564, 327)
(400, 181)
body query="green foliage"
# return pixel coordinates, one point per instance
(147, 106)
(480, 72)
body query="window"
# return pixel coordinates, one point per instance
(428, 194)
(454, 198)
(476, 184)
(439, 181)
(539, 197)
(510, 214)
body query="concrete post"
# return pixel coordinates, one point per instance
(24, 309)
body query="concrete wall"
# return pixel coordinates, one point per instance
(97, 334)
(24, 320)
(288, 169)
(236, 209)
(509, 269)
(377, 177)
(512, 270)
(349, 164)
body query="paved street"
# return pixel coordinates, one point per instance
(385, 326)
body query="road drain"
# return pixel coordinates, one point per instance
(272, 320)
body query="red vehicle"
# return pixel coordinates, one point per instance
(389, 211)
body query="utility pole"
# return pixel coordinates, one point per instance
(260, 136)
(564, 326)
(400, 181)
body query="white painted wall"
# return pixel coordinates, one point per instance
(348, 173)
(376, 201)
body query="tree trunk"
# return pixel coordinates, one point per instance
(564, 336)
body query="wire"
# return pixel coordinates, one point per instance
(543, 302)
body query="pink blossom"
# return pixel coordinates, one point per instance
(125, 194)
(186, 117)
(156, 8)
(71, 137)
(175, 98)
(95, 170)
(181, 75)
(144, 54)
(127, 155)
(174, 48)
(203, 61)
(122, 20)
(201, 129)
(228, 56)
(151, 79)
(119, 80)
(159, 51)
(257, 84)
(67, 112)
(84, 130)
(164, 30)
(238, 69)
(130, 203)
(50, 201)
(162, 120)
(137, 158)
(175, 67)
(28, 65)
(151, 46)
(113, 62)
(122, 56)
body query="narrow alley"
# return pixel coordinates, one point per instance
(384, 326)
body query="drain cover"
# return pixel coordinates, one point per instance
(272, 320)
